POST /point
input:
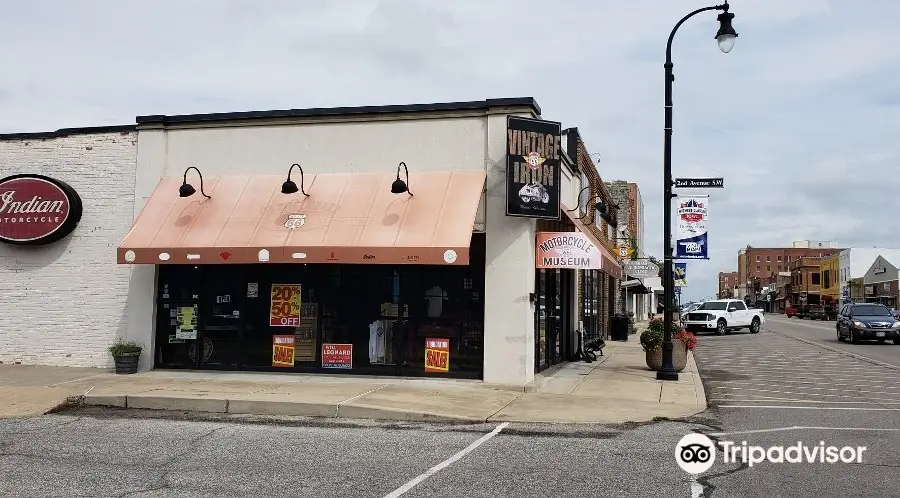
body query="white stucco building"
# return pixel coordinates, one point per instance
(855, 262)
(431, 279)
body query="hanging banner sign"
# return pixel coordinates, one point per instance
(572, 250)
(284, 310)
(282, 351)
(437, 355)
(640, 269)
(533, 168)
(679, 274)
(693, 213)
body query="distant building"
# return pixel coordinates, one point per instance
(761, 264)
(727, 282)
(853, 263)
(630, 231)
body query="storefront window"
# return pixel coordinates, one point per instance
(325, 318)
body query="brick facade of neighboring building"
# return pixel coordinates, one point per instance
(63, 303)
(806, 280)
(727, 282)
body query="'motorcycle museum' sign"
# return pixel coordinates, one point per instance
(36, 209)
(566, 250)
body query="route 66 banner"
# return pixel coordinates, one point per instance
(691, 236)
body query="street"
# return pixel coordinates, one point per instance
(766, 389)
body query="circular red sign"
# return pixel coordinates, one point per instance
(36, 209)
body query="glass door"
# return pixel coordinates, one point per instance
(221, 325)
(178, 302)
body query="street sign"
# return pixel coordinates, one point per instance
(699, 183)
(625, 251)
(640, 269)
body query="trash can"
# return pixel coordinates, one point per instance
(619, 330)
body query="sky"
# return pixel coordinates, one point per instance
(800, 118)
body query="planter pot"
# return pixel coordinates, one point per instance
(127, 363)
(679, 357)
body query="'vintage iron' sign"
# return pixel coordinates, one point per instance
(533, 168)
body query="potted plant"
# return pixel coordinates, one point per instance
(682, 342)
(126, 355)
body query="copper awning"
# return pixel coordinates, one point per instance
(347, 218)
(610, 261)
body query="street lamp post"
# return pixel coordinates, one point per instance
(725, 38)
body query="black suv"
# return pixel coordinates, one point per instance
(867, 322)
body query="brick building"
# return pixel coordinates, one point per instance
(64, 304)
(806, 280)
(727, 282)
(758, 265)
(631, 212)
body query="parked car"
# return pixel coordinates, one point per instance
(830, 312)
(723, 316)
(790, 311)
(817, 312)
(867, 321)
(803, 311)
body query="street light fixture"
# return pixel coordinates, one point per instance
(725, 37)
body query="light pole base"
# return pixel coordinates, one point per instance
(667, 375)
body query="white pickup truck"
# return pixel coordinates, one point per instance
(723, 316)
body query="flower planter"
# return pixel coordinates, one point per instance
(127, 363)
(679, 357)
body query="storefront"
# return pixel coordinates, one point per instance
(402, 243)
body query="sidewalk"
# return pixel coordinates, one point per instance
(617, 388)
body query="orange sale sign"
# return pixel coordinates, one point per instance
(285, 306)
(437, 355)
(282, 350)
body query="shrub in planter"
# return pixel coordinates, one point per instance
(126, 355)
(652, 338)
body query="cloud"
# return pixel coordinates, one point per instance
(799, 118)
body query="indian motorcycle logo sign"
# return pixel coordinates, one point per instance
(37, 210)
(532, 168)
(566, 250)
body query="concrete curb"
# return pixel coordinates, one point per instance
(276, 408)
(841, 351)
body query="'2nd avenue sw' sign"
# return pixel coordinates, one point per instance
(36, 209)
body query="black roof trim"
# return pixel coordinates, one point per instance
(64, 132)
(344, 111)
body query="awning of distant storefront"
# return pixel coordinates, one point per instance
(347, 218)
(635, 286)
(610, 264)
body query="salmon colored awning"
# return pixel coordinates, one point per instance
(610, 262)
(347, 218)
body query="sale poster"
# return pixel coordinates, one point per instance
(284, 310)
(437, 355)
(282, 351)
(337, 356)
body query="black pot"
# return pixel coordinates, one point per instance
(127, 363)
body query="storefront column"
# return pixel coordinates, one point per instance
(140, 312)
(509, 275)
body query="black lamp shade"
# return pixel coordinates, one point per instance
(399, 186)
(725, 27)
(601, 207)
(289, 187)
(186, 190)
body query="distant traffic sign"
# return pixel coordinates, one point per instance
(699, 183)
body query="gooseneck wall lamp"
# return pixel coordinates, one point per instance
(289, 187)
(598, 204)
(186, 189)
(399, 186)
(578, 205)
(725, 38)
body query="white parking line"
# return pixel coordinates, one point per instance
(446, 463)
(778, 407)
(802, 428)
(785, 384)
(824, 395)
